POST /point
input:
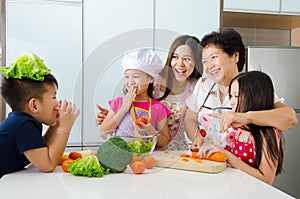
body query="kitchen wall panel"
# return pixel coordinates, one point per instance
(110, 29)
(52, 30)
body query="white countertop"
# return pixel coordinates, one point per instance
(158, 183)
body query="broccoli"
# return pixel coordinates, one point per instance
(114, 154)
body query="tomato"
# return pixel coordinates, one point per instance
(63, 158)
(65, 163)
(138, 167)
(149, 162)
(137, 158)
(141, 120)
(75, 155)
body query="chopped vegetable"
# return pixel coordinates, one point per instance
(27, 66)
(114, 154)
(139, 146)
(218, 156)
(88, 166)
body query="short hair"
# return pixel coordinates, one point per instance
(18, 92)
(230, 41)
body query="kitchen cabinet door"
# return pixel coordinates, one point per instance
(291, 7)
(175, 17)
(51, 30)
(253, 6)
(110, 29)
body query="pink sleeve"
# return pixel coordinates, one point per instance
(115, 104)
(159, 112)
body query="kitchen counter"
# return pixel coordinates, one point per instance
(154, 183)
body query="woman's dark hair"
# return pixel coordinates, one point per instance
(18, 92)
(167, 73)
(256, 92)
(230, 41)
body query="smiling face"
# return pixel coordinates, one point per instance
(218, 65)
(234, 95)
(137, 80)
(47, 106)
(182, 62)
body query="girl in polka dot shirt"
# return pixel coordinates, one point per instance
(256, 150)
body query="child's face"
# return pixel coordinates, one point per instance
(48, 106)
(234, 95)
(137, 80)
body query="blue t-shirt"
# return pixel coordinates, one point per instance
(19, 132)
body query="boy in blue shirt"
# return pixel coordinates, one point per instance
(30, 90)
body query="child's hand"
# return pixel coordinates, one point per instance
(129, 98)
(207, 149)
(146, 128)
(67, 116)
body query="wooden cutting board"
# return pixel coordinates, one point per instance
(173, 160)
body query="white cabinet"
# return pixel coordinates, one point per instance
(291, 7)
(252, 6)
(110, 29)
(174, 17)
(288, 7)
(52, 30)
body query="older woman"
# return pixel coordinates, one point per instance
(223, 57)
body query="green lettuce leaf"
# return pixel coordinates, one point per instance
(88, 166)
(140, 146)
(28, 66)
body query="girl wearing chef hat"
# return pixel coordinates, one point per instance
(139, 69)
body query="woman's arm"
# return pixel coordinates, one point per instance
(164, 138)
(191, 124)
(282, 117)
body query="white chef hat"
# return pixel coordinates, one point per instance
(144, 60)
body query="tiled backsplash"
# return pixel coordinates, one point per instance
(265, 37)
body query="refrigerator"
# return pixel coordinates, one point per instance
(282, 64)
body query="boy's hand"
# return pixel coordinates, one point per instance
(67, 116)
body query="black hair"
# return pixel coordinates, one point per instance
(18, 92)
(230, 41)
(194, 43)
(256, 92)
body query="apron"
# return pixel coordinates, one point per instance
(126, 126)
(209, 127)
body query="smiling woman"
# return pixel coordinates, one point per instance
(223, 57)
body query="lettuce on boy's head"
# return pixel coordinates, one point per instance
(27, 66)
